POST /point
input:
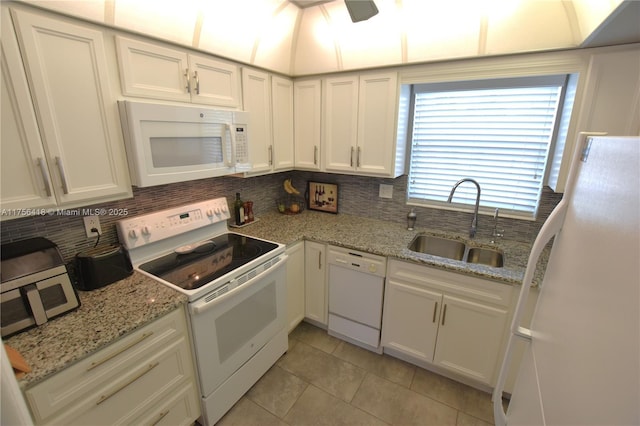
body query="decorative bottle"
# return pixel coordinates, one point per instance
(238, 210)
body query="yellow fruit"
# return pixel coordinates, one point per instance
(287, 186)
(295, 208)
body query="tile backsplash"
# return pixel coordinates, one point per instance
(357, 196)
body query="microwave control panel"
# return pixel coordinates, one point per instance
(242, 143)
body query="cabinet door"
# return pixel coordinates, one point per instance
(153, 71)
(282, 102)
(315, 297)
(376, 124)
(68, 74)
(307, 124)
(214, 82)
(295, 285)
(256, 90)
(410, 319)
(340, 128)
(25, 178)
(470, 338)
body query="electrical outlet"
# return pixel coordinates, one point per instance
(91, 222)
(385, 191)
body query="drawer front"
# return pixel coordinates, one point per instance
(99, 371)
(180, 408)
(127, 395)
(450, 282)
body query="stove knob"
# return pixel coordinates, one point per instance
(209, 213)
(217, 210)
(224, 208)
(146, 230)
(133, 234)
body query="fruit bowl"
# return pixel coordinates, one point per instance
(291, 204)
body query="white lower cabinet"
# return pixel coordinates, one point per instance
(315, 278)
(449, 320)
(295, 284)
(146, 377)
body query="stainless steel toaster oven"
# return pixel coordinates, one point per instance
(34, 285)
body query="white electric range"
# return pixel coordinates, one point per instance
(236, 286)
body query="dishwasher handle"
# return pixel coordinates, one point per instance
(362, 262)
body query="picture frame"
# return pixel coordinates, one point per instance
(323, 197)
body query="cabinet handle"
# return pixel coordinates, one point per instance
(150, 367)
(351, 157)
(45, 176)
(358, 162)
(319, 260)
(315, 154)
(197, 79)
(118, 352)
(186, 77)
(435, 311)
(160, 417)
(63, 178)
(444, 313)
(271, 155)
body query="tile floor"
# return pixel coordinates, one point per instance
(322, 380)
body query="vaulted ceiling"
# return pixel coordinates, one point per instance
(309, 36)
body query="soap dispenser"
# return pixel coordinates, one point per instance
(411, 220)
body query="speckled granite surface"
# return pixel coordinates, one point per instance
(388, 239)
(115, 310)
(104, 315)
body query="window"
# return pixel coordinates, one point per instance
(498, 132)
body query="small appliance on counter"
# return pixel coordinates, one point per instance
(34, 284)
(102, 266)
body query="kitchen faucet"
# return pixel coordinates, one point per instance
(474, 222)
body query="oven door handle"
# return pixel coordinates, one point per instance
(203, 304)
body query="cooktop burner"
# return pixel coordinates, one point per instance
(193, 266)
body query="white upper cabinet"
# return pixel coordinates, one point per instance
(256, 90)
(610, 104)
(269, 101)
(150, 70)
(307, 122)
(82, 156)
(340, 123)
(283, 141)
(26, 181)
(359, 127)
(378, 102)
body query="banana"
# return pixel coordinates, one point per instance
(289, 188)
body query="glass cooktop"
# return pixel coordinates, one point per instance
(191, 267)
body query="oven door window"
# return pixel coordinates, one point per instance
(232, 328)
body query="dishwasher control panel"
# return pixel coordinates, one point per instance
(357, 260)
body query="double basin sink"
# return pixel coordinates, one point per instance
(456, 250)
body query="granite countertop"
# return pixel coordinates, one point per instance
(105, 315)
(389, 239)
(111, 312)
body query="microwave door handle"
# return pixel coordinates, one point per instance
(230, 161)
(33, 295)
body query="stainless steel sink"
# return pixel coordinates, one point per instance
(437, 246)
(485, 256)
(456, 250)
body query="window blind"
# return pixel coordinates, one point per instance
(498, 136)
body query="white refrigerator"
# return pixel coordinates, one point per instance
(582, 361)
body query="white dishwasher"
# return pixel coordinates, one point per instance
(356, 289)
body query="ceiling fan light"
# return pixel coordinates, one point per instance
(361, 10)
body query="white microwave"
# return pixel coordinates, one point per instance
(171, 143)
